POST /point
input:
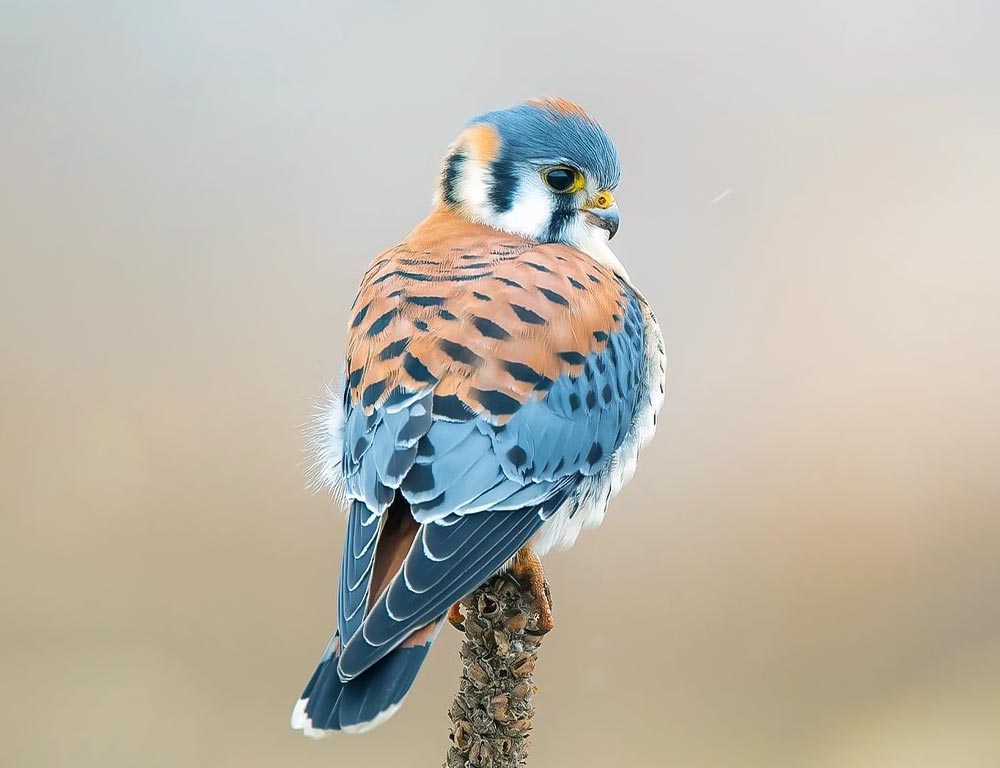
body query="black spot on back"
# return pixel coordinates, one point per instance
(481, 296)
(573, 358)
(372, 393)
(495, 402)
(359, 318)
(518, 457)
(489, 329)
(382, 323)
(555, 298)
(533, 265)
(425, 301)
(522, 372)
(395, 349)
(451, 408)
(596, 454)
(417, 370)
(459, 352)
(527, 316)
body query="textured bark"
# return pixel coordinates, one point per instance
(492, 711)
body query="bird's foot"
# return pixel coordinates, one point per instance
(528, 569)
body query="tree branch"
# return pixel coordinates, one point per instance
(492, 711)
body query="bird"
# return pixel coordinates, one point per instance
(501, 375)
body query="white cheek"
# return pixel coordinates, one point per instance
(472, 186)
(531, 212)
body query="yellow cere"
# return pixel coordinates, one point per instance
(603, 199)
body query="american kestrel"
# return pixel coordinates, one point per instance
(501, 375)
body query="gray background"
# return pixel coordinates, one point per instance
(803, 573)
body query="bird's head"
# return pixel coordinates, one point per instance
(543, 169)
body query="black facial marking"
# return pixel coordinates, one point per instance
(452, 170)
(503, 185)
(555, 298)
(527, 316)
(562, 215)
(481, 296)
(489, 329)
(459, 353)
(600, 335)
(495, 402)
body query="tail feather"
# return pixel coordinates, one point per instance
(366, 701)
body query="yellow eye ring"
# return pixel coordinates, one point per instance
(563, 179)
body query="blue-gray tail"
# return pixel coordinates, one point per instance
(371, 698)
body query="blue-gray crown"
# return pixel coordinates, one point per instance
(555, 131)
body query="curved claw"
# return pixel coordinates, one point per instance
(455, 617)
(528, 567)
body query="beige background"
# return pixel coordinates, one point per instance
(805, 571)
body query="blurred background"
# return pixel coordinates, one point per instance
(805, 571)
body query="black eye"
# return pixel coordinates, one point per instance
(563, 179)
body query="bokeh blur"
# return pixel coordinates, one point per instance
(805, 571)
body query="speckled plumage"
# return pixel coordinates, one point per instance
(498, 387)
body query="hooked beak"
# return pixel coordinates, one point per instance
(602, 211)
